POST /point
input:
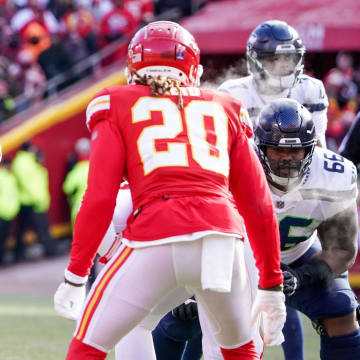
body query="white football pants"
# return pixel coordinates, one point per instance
(135, 281)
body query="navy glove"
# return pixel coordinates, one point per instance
(290, 280)
(316, 271)
(186, 311)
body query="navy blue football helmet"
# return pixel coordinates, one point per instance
(275, 54)
(285, 123)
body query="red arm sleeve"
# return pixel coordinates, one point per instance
(107, 158)
(253, 198)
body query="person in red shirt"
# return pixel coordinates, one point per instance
(116, 24)
(142, 10)
(195, 183)
(78, 21)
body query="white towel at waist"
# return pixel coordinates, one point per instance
(217, 260)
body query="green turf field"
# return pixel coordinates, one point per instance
(312, 345)
(31, 330)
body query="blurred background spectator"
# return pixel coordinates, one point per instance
(142, 10)
(79, 21)
(34, 12)
(33, 184)
(9, 204)
(340, 75)
(7, 105)
(9, 72)
(76, 179)
(55, 60)
(6, 13)
(115, 25)
(343, 96)
(32, 78)
(350, 146)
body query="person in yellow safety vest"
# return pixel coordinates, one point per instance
(33, 184)
(9, 204)
(75, 182)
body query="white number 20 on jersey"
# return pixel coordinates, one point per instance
(212, 157)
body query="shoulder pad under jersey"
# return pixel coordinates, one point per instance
(244, 89)
(332, 178)
(98, 109)
(243, 116)
(245, 119)
(236, 86)
(314, 97)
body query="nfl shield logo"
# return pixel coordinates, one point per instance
(136, 58)
(180, 52)
(280, 204)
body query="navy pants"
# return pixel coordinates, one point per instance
(322, 302)
(319, 302)
(176, 339)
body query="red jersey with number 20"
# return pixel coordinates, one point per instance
(181, 166)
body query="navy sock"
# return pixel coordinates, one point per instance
(293, 333)
(193, 348)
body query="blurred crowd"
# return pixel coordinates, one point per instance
(342, 85)
(40, 39)
(25, 200)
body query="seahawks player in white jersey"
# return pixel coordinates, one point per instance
(314, 193)
(275, 55)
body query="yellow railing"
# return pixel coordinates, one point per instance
(56, 113)
(53, 115)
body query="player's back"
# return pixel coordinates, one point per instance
(171, 150)
(176, 152)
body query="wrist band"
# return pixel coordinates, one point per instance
(274, 288)
(73, 284)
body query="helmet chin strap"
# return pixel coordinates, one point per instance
(284, 184)
(280, 82)
(283, 181)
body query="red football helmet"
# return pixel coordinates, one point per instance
(164, 48)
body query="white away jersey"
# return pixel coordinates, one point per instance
(308, 91)
(328, 188)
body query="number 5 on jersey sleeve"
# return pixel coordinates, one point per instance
(212, 156)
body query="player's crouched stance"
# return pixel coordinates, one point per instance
(182, 149)
(314, 193)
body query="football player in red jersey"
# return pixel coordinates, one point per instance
(183, 149)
